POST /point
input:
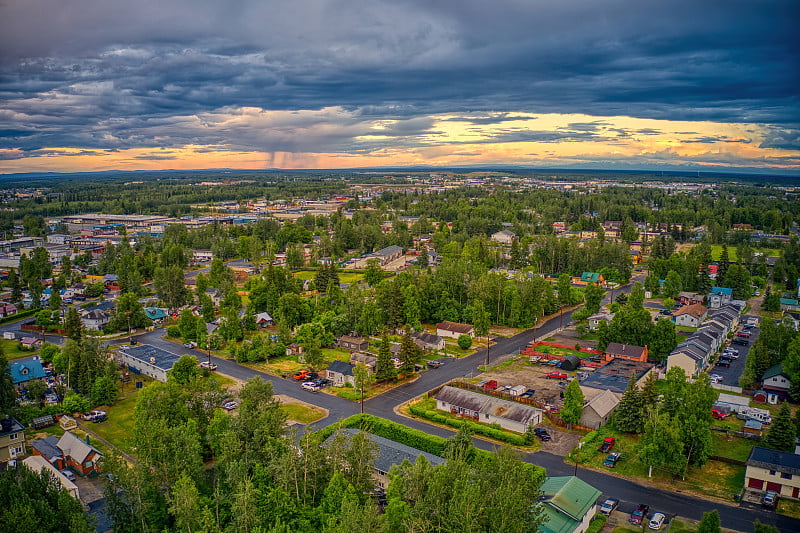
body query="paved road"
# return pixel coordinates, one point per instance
(629, 492)
(730, 375)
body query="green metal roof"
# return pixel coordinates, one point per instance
(773, 371)
(566, 500)
(594, 277)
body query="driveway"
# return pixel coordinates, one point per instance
(731, 374)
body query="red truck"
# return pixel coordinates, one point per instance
(608, 443)
(490, 385)
(556, 375)
(716, 413)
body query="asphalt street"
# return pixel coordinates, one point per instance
(631, 493)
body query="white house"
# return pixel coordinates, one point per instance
(504, 236)
(488, 409)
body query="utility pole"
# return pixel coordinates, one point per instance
(130, 338)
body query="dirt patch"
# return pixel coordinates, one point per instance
(562, 441)
(518, 371)
(90, 489)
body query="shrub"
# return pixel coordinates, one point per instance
(174, 331)
(597, 523)
(464, 342)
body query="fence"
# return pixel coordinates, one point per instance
(552, 417)
(729, 388)
(551, 357)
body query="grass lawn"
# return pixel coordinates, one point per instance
(555, 350)
(717, 479)
(118, 428)
(301, 413)
(731, 447)
(224, 381)
(716, 251)
(679, 526)
(288, 364)
(627, 529)
(685, 329)
(344, 277)
(789, 507)
(12, 350)
(354, 395)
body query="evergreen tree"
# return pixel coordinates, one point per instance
(628, 416)
(782, 432)
(663, 340)
(73, 324)
(410, 353)
(723, 264)
(8, 396)
(573, 403)
(384, 368)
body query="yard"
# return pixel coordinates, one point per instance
(12, 350)
(716, 252)
(344, 276)
(716, 478)
(304, 414)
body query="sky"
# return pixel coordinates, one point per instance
(94, 85)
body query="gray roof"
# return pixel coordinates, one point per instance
(48, 447)
(151, 355)
(615, 374)
(74, 447)
(628, 350)
(389, 250)
(691, 350)
(481, 403)
(341, 367)
(785, 462)
(392, 453)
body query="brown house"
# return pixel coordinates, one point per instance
(454, 329)
(353, 343)
(615, 350)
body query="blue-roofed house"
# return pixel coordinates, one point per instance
(719, 296)
(789, 304)
(569, 504)
(773, 470)
(148, 360)
(155, 313)
(26, 371)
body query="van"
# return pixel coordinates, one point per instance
(68, 474)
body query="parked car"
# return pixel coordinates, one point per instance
(740, 341)
(657, 521)
(206, 364)
(69, 474)
(607, 444)
(230, 405)
(612, 459)
(608, 506)
(770, 499)
(302, 375)
(744, 333)
(310, 386)
(665, 312)
(555, 375)
(716, 413)
(542, 434)
(639, 514)
(723, 361)
(528, 393)
(323, 382)
(190, 344)
(716, 377)
(434, 364)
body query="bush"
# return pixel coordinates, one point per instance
(174, 331)
(597, 523)
(464, 342)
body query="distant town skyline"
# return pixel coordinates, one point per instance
(181, 84)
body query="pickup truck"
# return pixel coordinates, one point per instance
(608, 443)
(556, 375)
(639, 514)
(611, 460)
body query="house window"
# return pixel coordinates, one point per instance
(784, 475)
(772, 472)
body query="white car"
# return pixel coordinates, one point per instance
(206, 364)
(310, 386)
(656, 521)
(715, 376)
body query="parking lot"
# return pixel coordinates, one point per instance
(731, 374)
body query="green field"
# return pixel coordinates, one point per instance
(716, 251)
(344, 277)
(12, 350)
(301, 413)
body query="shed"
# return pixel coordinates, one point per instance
(571, 362)
(67, 422)
(517, 390)
(753, 427)
(760, 396)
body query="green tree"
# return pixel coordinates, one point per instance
(593, 295)
(184, 370)
(384, 368)
(564, 288)
(74, 403)
(573, 403)
(8, 395)
(104, 391)
(464, 341)
(663, 340)
(782, 432)
(373, 273)
(628, 416)
(723, 264)
(36, 389)
(673, 284)
(758, 527)
(169, 284)
(410, 354)
(710, 523)
(657, 445)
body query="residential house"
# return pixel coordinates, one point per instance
(792, 318)
(155, 313)
(776, 383)
(25, 372)
(38, 464)
(30, 343)
(148, 360)
(388, 254)
(488, 409)
(719, 296)
(598, 410)
(7, 309)
(389, 453)
(625, 351)
(789, 304)
(597, 318)
(264, 320)
(773, 470)
(569, 504)
(429, 342)
(353, 343)
(370, 361)
(689, 357)
(295, 349)
(96, 319)
(12, 439)
(215, 295)
(614, 376)
(202, 256)
(79, 456)
(590, 277)
(340, 373)
(504, 236)
(689, 298)
(454, 329)
(636, 256)
(690, 315)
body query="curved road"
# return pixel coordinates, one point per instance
(630, 493)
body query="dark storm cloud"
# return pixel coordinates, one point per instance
(113, 74)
